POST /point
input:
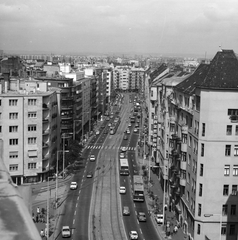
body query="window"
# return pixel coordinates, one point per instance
(223, 229)
(225, 190)
(190, 141)
(200, 190)
(13, 154)
(13, 115)
(184, 156)
(199, 209)
(31, 165)
(32, 153)
(184, 138)
(236, 150)
(32, 140)
(202, 150)
(232, 229)
(236, 130)
(31, 128)
(13, 167)
(228, 150)
(234, 190)
(188, 178)
(188, 196)
(235, 170)
(31, 102)
(201, 169)
(233, 210)
(12, 102)
(224, 209)
(228, 129)
(227, 170)
(13, 128)
(0, 102)
(203, 129)
(31, 114)
(13, 141)
(199, 229)
(232, 112)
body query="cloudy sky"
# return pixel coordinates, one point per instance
(119, 26)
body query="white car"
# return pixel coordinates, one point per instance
(124, 149)
(133, 235)
(97, 132)
(159, 218)
(122, 190)
(122, 155)
(135, 130)
(129, 125)
(73, 185)
(65, 232)
(92, 158)
(128, 131)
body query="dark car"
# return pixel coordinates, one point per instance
(125, 137)
(90, 174)
(141, 216)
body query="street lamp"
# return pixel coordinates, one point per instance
(215, 214)
(48, 208)
(165, 168)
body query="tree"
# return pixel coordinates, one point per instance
(75, 152)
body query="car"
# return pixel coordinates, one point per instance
(92, 158)
(125, 137)
(97, 132)
(141, 216)
(126, 211)
(128, 131)
(73, 185)
(65, 232)
(133, 235)
(137, 124)
(159, 218)
(135, 130)
(90, 174)
(107, 118)
(122, 190)
(123, 149)
(109, 124)
(111, 116)
(129, 124)
(122, 155)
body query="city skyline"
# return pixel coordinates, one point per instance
(108, 26)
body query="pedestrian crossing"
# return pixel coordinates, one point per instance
(110, 147)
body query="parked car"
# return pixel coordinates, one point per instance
(65, 232)
(73, 185)
(133, 235)
(122, 155)
(122, 190)
(159, 218)
(126, 211)
(141, 216)
(97, 132)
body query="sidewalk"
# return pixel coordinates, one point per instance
(156, 189)
(39, 199)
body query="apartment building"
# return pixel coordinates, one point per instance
(28, 128)
(202, 148)
(136, 80)
(121, 77)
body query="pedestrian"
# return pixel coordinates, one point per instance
(38, 210)
(175, 229)
(33, 217)
(42, 234)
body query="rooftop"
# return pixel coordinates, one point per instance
(221, 73)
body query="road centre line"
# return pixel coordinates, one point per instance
(75, 212)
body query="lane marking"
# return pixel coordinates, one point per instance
(75, 212)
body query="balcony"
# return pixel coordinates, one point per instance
(175, 152)
(183, 165)
(172, 120)
(184, 147)
(45, 145)
(182, 182)
(54, 115)
(177, 192)
(45, 106)
(175, 136)
(184, 129)
(46, 131)
(46, 156)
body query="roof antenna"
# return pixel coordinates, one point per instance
(220, 48)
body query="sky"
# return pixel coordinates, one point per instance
(192, 27)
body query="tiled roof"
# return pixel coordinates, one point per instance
(158, 71)
(221, 73)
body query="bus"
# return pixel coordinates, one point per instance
(124, 166)
(138, 189)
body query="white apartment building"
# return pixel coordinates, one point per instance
(198, 130)
(28, 128)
